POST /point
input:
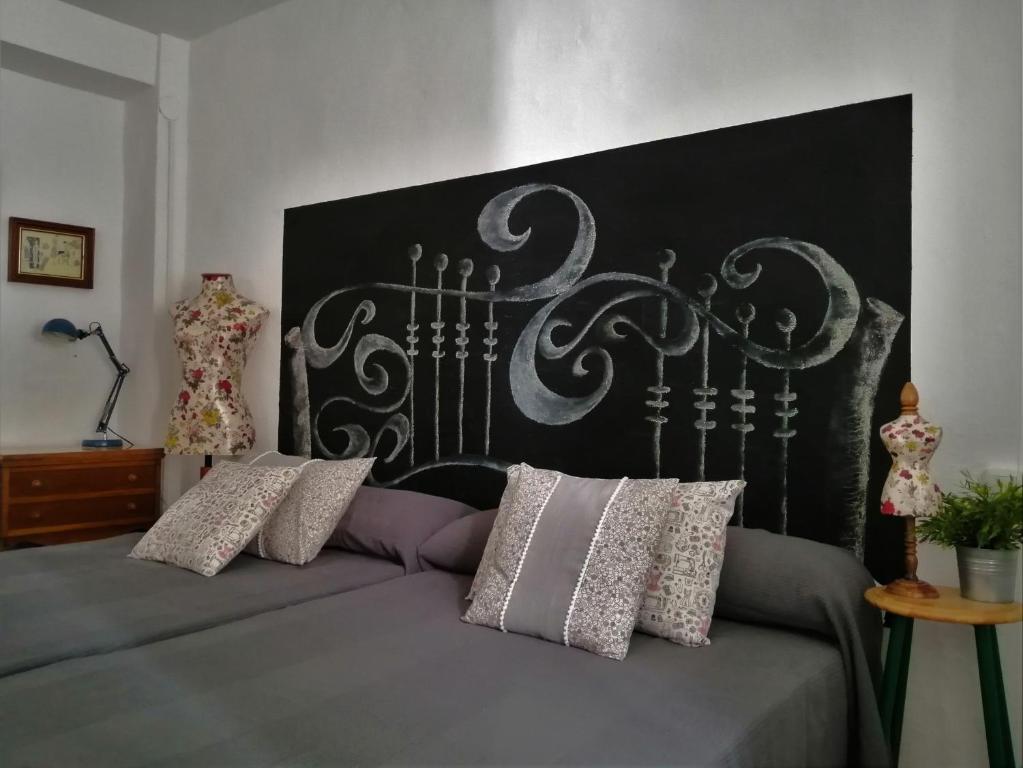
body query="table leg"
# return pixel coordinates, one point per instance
(992, 694)
(893, 684)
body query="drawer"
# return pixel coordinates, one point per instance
(35, 483)
(103, 510)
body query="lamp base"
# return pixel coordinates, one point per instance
(102, 442)
(912, 588)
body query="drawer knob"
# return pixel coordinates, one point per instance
(132, 477)
(35, 514)
(37, 483)
(131, 506)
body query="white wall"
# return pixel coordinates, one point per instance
(316, 100)
(155, 149)
(125, 177)
(61, 160)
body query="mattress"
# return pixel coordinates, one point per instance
(79, 599)
(389, 675)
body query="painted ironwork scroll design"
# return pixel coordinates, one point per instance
(659, 389)
(745, 314)
(543, 405)
(305, 348)
(587, 345)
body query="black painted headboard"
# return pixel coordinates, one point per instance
(728, 304)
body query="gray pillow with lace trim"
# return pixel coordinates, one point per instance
(568, 557)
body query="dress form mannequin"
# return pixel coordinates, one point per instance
(213, 334)
(909, 492)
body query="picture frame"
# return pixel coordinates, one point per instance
(48, 253)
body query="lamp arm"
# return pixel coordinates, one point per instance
(115, 391)
(98, 331)
(108, 406)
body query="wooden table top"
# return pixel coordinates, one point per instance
(949, 606)
(77, 455)
(67, 448)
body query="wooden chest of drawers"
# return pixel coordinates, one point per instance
(52, 497)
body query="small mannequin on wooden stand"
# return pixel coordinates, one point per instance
(909, 492)
(213, 333)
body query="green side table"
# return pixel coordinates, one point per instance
(950, 607)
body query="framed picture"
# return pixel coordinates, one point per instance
(50, 254)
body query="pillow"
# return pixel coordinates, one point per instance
(570, 557)
(458, 546)
(683, 579)
(392, 524)
(303, 522)
(215, 519)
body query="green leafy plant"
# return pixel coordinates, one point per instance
(982, 515)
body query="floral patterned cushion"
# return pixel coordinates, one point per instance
(568, 557)
(301, 525)
(683, 580)
(214, 520)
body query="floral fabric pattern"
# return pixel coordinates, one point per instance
(683, 580)
(486, 565)
(215, 519)
(213, 334)
(301, 525)
(612, 588)
(909, 490)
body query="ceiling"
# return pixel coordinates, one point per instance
(187, 19)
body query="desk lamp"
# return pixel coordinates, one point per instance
(65, 329)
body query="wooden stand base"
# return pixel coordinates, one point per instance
(912, 588)
(909, 585)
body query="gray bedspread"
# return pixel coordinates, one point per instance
(388, 675)
(801, 584)
(79, 599)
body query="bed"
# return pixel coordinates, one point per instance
(80, 599)
(388, 674)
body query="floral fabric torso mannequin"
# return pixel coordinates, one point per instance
(213, 334)
(909, 490)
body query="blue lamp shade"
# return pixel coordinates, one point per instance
(62, 328)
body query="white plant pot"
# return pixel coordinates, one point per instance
(987, 575)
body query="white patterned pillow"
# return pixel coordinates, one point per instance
(683, 581)
(215, 519)
(301, 525)
(568, 558)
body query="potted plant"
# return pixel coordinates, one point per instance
(985, 525)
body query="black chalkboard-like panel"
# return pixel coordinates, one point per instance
(732, 303)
